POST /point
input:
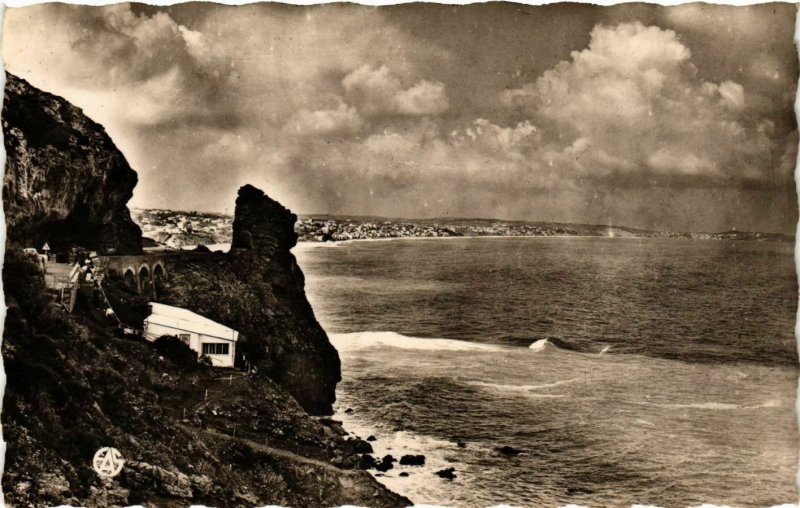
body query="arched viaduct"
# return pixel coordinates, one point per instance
(143, 272)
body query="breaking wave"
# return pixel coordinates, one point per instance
(363, 340)
(718, 405)
(522, 388)
(542, 345)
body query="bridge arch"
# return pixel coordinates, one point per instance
(130, 278)
(159, 272)
(144, 277)
(143, 273)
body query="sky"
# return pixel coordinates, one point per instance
(674, 118)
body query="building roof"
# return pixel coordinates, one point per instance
(183, 320)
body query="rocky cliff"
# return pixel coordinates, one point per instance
(189, 433)
(65, 181)
(257, 289)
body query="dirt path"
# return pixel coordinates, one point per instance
(270, 450)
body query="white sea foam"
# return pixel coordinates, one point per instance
(439, 454)
(304, 246)
(542, 345)
(523, 388)
(718, 405)
(363, 340)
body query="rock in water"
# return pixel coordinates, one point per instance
(362, 446)
(412, 460)
(384, 465)
(509, 451)
(65, 181)
(367, 462)
(447, 474)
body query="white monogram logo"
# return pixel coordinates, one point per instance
(108, 462)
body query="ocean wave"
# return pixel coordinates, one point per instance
(522, 388)
(439, 454)
(303, 246)
(363, 340)
(542, 345)
(716, 405)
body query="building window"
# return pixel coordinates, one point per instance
(215, 349)
(184, 337)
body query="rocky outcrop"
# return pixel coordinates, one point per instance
(258, 289)
(65, 182)
(75, 383)
(187, 435)
(262, 225)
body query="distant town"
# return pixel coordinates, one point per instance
(181, 230)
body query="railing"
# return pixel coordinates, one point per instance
(57, 282)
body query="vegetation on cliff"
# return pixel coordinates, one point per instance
(189, 433)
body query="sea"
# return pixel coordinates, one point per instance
(625, 370)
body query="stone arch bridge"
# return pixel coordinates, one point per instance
(142, 272)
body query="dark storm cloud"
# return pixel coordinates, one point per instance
(670, 117)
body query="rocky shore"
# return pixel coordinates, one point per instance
(189, 433)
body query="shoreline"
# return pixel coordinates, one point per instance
(312, 244)
(421, 485)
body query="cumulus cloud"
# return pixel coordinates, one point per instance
(343, 119)
(424, 98)
(129, 69)
(500, 139)
(635, 100)
(379, 92)
(637, 126)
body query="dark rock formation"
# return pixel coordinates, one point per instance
(509, 451)
(362, 446)
(73, 387)
(447, 474)
(258, 289)
(74, 384)
(65, 181)
(262, 224)
(367, 462)
(412, 460)
(384, 465)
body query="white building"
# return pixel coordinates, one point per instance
(206, 337)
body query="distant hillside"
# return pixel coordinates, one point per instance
(181, 230)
